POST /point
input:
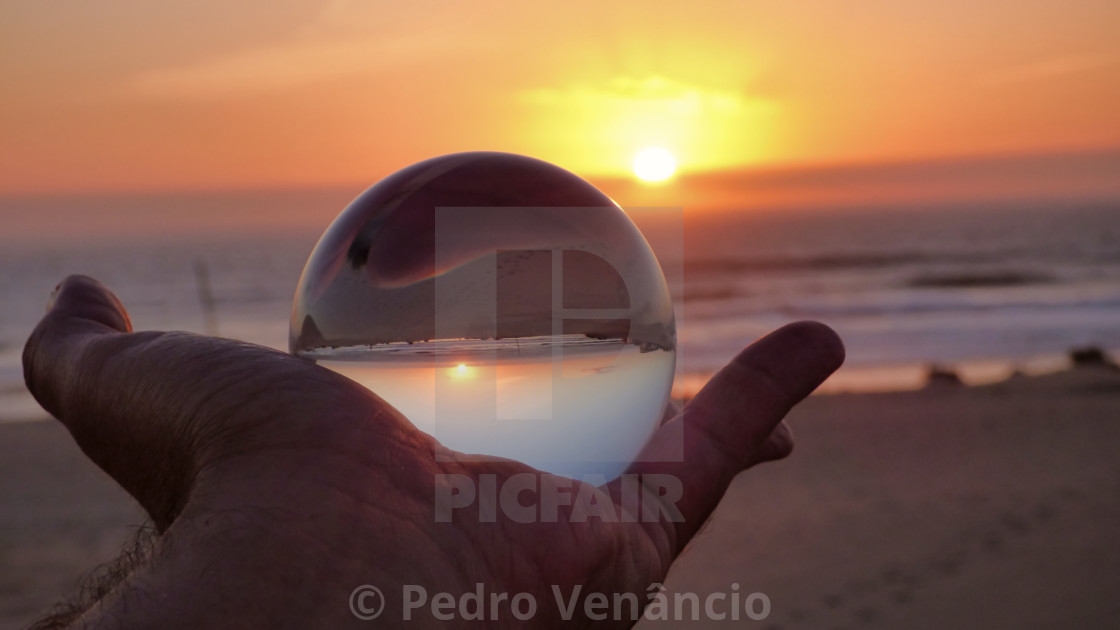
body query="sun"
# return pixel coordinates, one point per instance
(462, 372)
(654, 164)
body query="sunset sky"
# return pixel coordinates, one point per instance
(145, 96)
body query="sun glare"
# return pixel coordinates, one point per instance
(461, 371)
(654, 165)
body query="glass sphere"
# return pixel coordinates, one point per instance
(503, 305)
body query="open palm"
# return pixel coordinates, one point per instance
(279, 487)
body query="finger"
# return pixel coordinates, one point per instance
(734, 421)
(778, 445)
(155, 409)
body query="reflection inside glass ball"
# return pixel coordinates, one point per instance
(503, 305)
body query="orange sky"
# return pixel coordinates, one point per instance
(136, 95)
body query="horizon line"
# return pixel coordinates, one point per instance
(758, 172)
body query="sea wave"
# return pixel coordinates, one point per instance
(837, 261)
(887, 305)
(979, 279)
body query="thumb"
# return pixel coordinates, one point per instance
(152, 409)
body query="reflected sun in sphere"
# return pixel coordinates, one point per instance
(654, 164)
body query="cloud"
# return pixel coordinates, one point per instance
(624, 91)
(1050, 68)
(291, 65)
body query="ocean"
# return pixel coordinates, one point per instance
(984, 289)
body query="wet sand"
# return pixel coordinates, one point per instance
(983, 507)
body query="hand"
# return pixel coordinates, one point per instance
(278, 486)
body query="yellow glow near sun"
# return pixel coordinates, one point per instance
(654, 164)
(461, 371)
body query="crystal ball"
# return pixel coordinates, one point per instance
(502, 304)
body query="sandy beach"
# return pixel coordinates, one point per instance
(956, 507)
